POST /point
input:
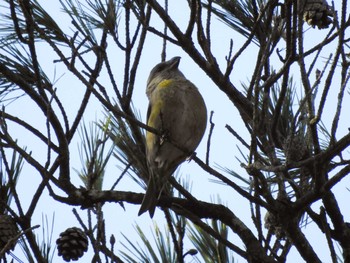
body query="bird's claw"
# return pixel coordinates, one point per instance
(164, 137)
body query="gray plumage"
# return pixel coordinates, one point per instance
(177, 109)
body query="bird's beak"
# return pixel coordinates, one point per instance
(174, 62)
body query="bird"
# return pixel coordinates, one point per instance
(178, 112)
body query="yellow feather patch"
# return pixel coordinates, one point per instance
(151, 138)
(165, 83)
(155, 112)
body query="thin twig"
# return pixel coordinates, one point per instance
(173, 235)
(165, 32)
(232, 131)
(326, 229)
(212, 124)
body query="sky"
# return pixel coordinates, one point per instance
(224, 147)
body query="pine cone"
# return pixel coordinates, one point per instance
(272, 225)
(8, 230)
(72, 244)
(317, 13)
(295, 148)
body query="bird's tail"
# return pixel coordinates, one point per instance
(157, 184)
(150, 199)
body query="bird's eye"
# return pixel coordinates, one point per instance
(160, 68)
(157, 69)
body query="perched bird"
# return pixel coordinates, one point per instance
(177, 110)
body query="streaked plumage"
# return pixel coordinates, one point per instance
(177, 109)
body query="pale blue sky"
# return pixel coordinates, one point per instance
(223, 147)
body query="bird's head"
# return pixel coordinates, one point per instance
(165, 70)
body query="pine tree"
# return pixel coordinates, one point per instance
(285, 133)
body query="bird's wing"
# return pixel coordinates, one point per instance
(148, 112)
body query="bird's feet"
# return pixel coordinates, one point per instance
(164, 137)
